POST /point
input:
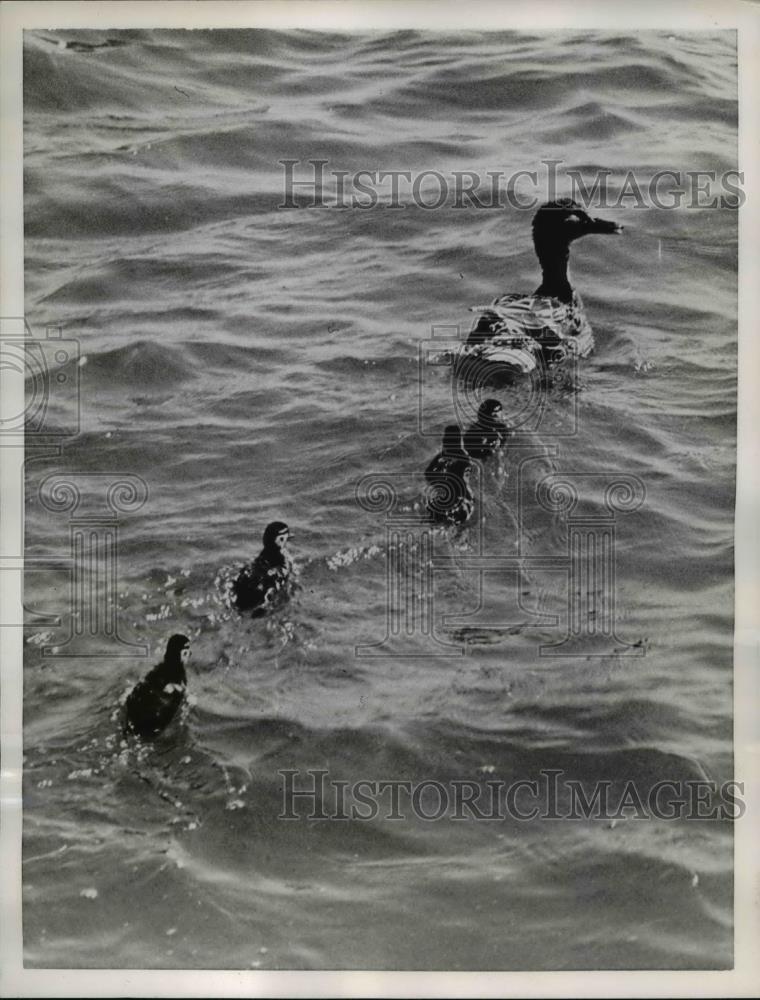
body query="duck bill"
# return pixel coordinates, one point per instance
(603, 226)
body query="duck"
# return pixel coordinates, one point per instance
(488, 432)
(155, 700)
(550, 324)
(268, 576)
(449, 497)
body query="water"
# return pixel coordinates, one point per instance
(253, 364)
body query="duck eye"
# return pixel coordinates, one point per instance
(573, 218)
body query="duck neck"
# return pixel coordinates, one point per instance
(173, 671)
(554, 263)
(274, 556)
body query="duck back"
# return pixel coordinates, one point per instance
(155, 700)
(540, 321)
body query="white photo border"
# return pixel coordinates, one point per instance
(354, 15)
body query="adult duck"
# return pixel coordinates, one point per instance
(516, 329)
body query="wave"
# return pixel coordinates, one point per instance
(252, 364)
(142, 363)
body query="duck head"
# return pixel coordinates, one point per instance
(555, 226)
(176, 656)
(276, 537)
(490, 412)
(177, 649)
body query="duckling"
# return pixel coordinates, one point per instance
(449, 497)
(259, 582)
(515, 327)
(488, 432)
(154, 701)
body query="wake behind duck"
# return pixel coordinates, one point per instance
(520, 331)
